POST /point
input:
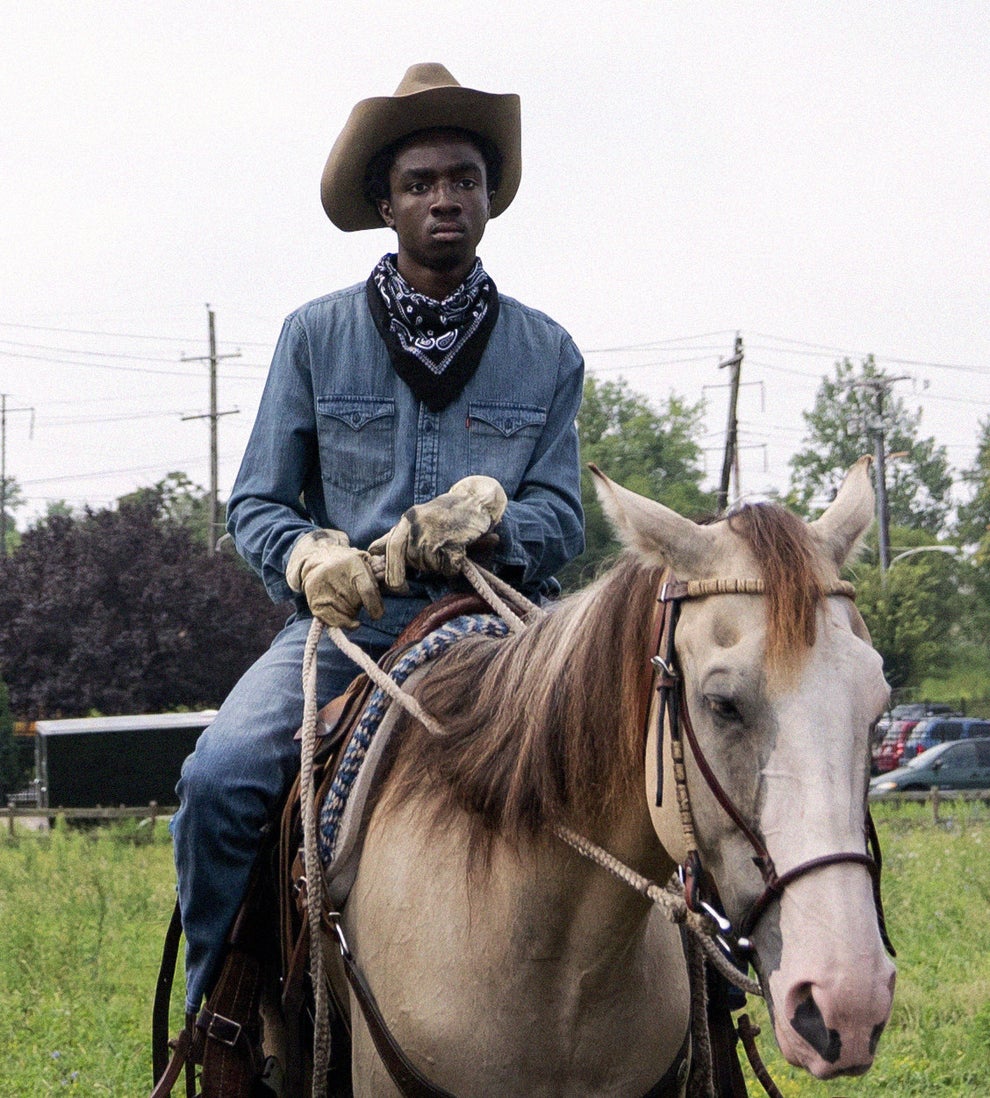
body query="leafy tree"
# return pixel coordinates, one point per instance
(120, 611)
(10, 758)
(839, 432)
(181, 501)
(13, 500)
(973, 531)
(912, 611)
(651, 451)
(973, 517)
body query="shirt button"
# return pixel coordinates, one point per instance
(427, 427)
(424, 489)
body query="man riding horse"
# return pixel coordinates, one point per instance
(410, 416)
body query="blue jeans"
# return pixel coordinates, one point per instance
(242, 766)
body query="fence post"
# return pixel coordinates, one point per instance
(10, 816)
(935, 801)
(154, 816)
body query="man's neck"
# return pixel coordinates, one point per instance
(433, 283)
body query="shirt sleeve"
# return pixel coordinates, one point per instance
(543, 525)
(266, 513)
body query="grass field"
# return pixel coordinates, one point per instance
(82, 914)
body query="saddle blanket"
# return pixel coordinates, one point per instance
(342, 815)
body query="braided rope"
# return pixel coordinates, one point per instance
(669, 899)
(314, 868)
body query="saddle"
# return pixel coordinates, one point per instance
(268, 944)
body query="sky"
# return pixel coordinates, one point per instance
(811, 176)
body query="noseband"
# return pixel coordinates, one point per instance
(700, 892)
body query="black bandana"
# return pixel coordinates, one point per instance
(435, 346)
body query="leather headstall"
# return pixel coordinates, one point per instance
(672, 714)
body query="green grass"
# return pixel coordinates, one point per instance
(83, 912)
(964, 682)
(82, 917)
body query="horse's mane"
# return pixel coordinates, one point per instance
(545, 723)
(547, 726)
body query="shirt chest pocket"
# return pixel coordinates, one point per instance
(357, 441)
(502, 438)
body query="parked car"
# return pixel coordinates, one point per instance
(890, 752)
(909, 711)
(935, 730)
(961, 764)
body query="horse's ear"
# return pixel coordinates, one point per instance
(649, 527)
(848, 515)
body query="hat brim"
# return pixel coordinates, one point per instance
(377, 122)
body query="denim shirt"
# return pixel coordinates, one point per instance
(340, 441)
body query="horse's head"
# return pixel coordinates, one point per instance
(782, 688)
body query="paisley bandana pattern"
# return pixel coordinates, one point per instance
(435, 346)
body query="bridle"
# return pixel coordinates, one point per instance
(672, 711)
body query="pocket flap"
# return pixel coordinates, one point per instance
(508, 419)
(355, 411)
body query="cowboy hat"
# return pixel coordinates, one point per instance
(427, 98)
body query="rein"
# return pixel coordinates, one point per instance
(673, 705)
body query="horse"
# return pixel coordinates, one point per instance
(502, 960)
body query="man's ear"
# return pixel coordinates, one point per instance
(385, 210)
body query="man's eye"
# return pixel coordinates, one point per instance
(469, 184)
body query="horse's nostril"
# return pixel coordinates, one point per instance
(808, 1021)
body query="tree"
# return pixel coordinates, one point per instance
(973, 531)
(650, 451)
(13, 500)
(179, 500)
(10, 757)
(840, 430)
(120, 611)
(912, 611)
(973, 517)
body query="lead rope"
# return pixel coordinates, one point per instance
(313, 866)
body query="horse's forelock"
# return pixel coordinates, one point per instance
(783, 546)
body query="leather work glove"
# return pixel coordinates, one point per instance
(434, 536)
(336, 579)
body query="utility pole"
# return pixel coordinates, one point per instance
(213, 415)
(3, 466)
(876, 426)
(730, 460)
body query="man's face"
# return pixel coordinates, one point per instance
(439, 202)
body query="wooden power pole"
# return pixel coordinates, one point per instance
(731, 458)
(213, 415)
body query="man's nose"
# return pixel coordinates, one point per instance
(445, 197)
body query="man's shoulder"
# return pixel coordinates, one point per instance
(527, 311)
(321, 307)
(519, 316)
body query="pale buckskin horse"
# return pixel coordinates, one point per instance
(505, 963)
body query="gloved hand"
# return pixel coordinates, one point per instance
(336, 579)
(434, 536)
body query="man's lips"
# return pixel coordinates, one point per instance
(447, 228)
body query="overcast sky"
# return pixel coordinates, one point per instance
(813, 176)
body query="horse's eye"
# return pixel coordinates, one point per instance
(722, 707)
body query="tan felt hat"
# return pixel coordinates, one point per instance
(427, 98)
